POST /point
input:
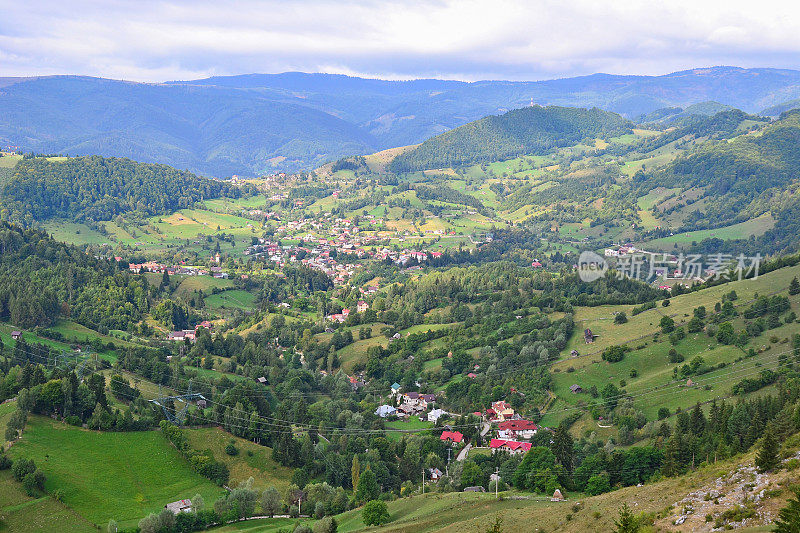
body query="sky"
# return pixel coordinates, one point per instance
(154, 40)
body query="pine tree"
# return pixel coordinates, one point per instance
(563, 446)
(627, 522)
(794, 286)
(789, 517)
(767, 458)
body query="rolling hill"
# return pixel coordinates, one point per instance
(532, 130)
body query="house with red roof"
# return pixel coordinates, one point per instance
(521, 429)
(452, 436)
(511, 446)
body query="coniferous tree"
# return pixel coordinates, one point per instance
(767, 459)
(627, 522)
(794, 286)
(789, 517)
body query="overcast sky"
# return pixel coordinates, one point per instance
(152, 40)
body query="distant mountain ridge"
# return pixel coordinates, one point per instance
(260, 123)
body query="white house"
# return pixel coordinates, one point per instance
(385, 410)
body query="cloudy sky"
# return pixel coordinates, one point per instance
(155, 40)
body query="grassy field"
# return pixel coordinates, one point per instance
(19, 512)
(192, 284)
(253, 460)
(109, 475)
(233, 299)
(756, 226)
(412, 423)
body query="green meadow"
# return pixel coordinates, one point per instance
(110, 475)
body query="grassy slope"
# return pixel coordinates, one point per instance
(122, 476)
(651, 361)
(756, 226)
(259, 465)
(19, 512)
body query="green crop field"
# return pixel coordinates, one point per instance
(105, 475)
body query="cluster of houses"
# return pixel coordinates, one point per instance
(513, 432)
(189, 334)
(411, 404)
(153, 266)
(361, 306)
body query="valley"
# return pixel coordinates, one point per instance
(304, 344)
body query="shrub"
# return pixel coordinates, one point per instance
(375, 513)
(326, 525)
(231, 449)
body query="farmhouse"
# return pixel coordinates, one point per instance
(180, 506)
(452, 436)
(182, 335)
(435, 474)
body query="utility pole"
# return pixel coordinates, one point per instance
(496, 481)
(423, 481)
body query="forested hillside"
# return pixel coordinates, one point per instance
(532, 130)
(41, 279)
(97, 188)
(749, 170)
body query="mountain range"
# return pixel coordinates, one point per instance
(262, 123)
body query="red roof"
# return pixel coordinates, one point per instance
(517, 425)
(510, 444)
(454, 436)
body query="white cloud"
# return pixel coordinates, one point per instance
(470, 39)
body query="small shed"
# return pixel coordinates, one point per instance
(16, 335)
(575, 389)
(475, 489)
(588, 336)
(557, 496)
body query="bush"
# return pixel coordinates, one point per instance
(375, 513)
(614, 354)
(33, 483)
(326, 525)
(22, 467)
(231, 449)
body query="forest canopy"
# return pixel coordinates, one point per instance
(99, 188)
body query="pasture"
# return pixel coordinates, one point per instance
(743, 230)
(252, 460)
(105, 475)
